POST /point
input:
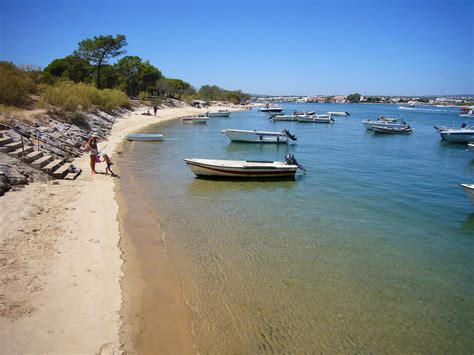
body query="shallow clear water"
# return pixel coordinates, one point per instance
(370, 251)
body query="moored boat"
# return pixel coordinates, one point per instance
(391, 129)
(195, 119)
(469, 190)
(338, 113)
(244, 169)
(467, 112)
(271, 109)
(239, 135)
(384, 121)
(144, 137)
(284, 118)
(470, 145)
(463, 135)
(316, 119)
(220, 113)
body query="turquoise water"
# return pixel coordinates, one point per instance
(370, 251)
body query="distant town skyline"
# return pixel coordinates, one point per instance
(301, 48)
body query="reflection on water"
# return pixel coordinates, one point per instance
(370, 251)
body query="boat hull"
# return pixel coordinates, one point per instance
(469, 190)
(256, 137)
(392, 130)
(144, 137)
(219, 114)
(271, 110)
(194, 120)
(369, 124)
(457, 137)
(240, 169)
(288, 118)
(315, 119)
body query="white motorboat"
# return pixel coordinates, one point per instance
(390, 122)
(309, 113)
(469, 190)
(391, 129)
(467, 112)
(463, 135)
(284, 117)
(316, 119)
(470, 145)
(338, 113)
(195, 119)
(244, 169)
(271, 109)
(220, 113)
(144, 137)
(239, 135)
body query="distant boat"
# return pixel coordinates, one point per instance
(391, 129)
(469, 190)
(271, 109)
(239, 135)
(244, 169)
(220, 113)
(470, 145)
(284, 117)
(463, 135)
(316, 119)
(144, 137)
(466, 112)
(338, 113)
(195, 119)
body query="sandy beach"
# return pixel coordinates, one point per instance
(62, 268)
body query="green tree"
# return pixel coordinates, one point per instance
(149, 75)
(353, 98)
(99, 50)
(71, 67)
(179, 88)
(129, 70)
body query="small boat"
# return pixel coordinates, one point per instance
(303, 113)
(316, 119)
(144, 137)
(239, 135)
(338, 113)
(463, 135)
(470, 145)
(284, 117)
(271, 109)
(467, 112)
(469, 190)
(195, 119)
(391, 129)
(220, 113)
(386, 122)
(244, 169)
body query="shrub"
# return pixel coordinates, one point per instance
(143, 96)
(15, 85)
(77, 118)
(67, 96)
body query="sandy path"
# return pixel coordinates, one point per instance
(60, 264)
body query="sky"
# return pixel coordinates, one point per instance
(280, 47)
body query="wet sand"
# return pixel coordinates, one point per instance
(65, 262)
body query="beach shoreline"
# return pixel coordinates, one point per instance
(61, 259)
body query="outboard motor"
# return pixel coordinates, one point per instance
(289, 135)
(290, 160)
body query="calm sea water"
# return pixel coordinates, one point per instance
(371, 251)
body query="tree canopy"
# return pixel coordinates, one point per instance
(353, 98)
(99, 50)
(71, 67)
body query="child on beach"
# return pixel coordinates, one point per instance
(109, 163)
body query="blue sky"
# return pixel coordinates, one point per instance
(402, 47)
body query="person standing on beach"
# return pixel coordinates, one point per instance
(91, 146)
(155, 108)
